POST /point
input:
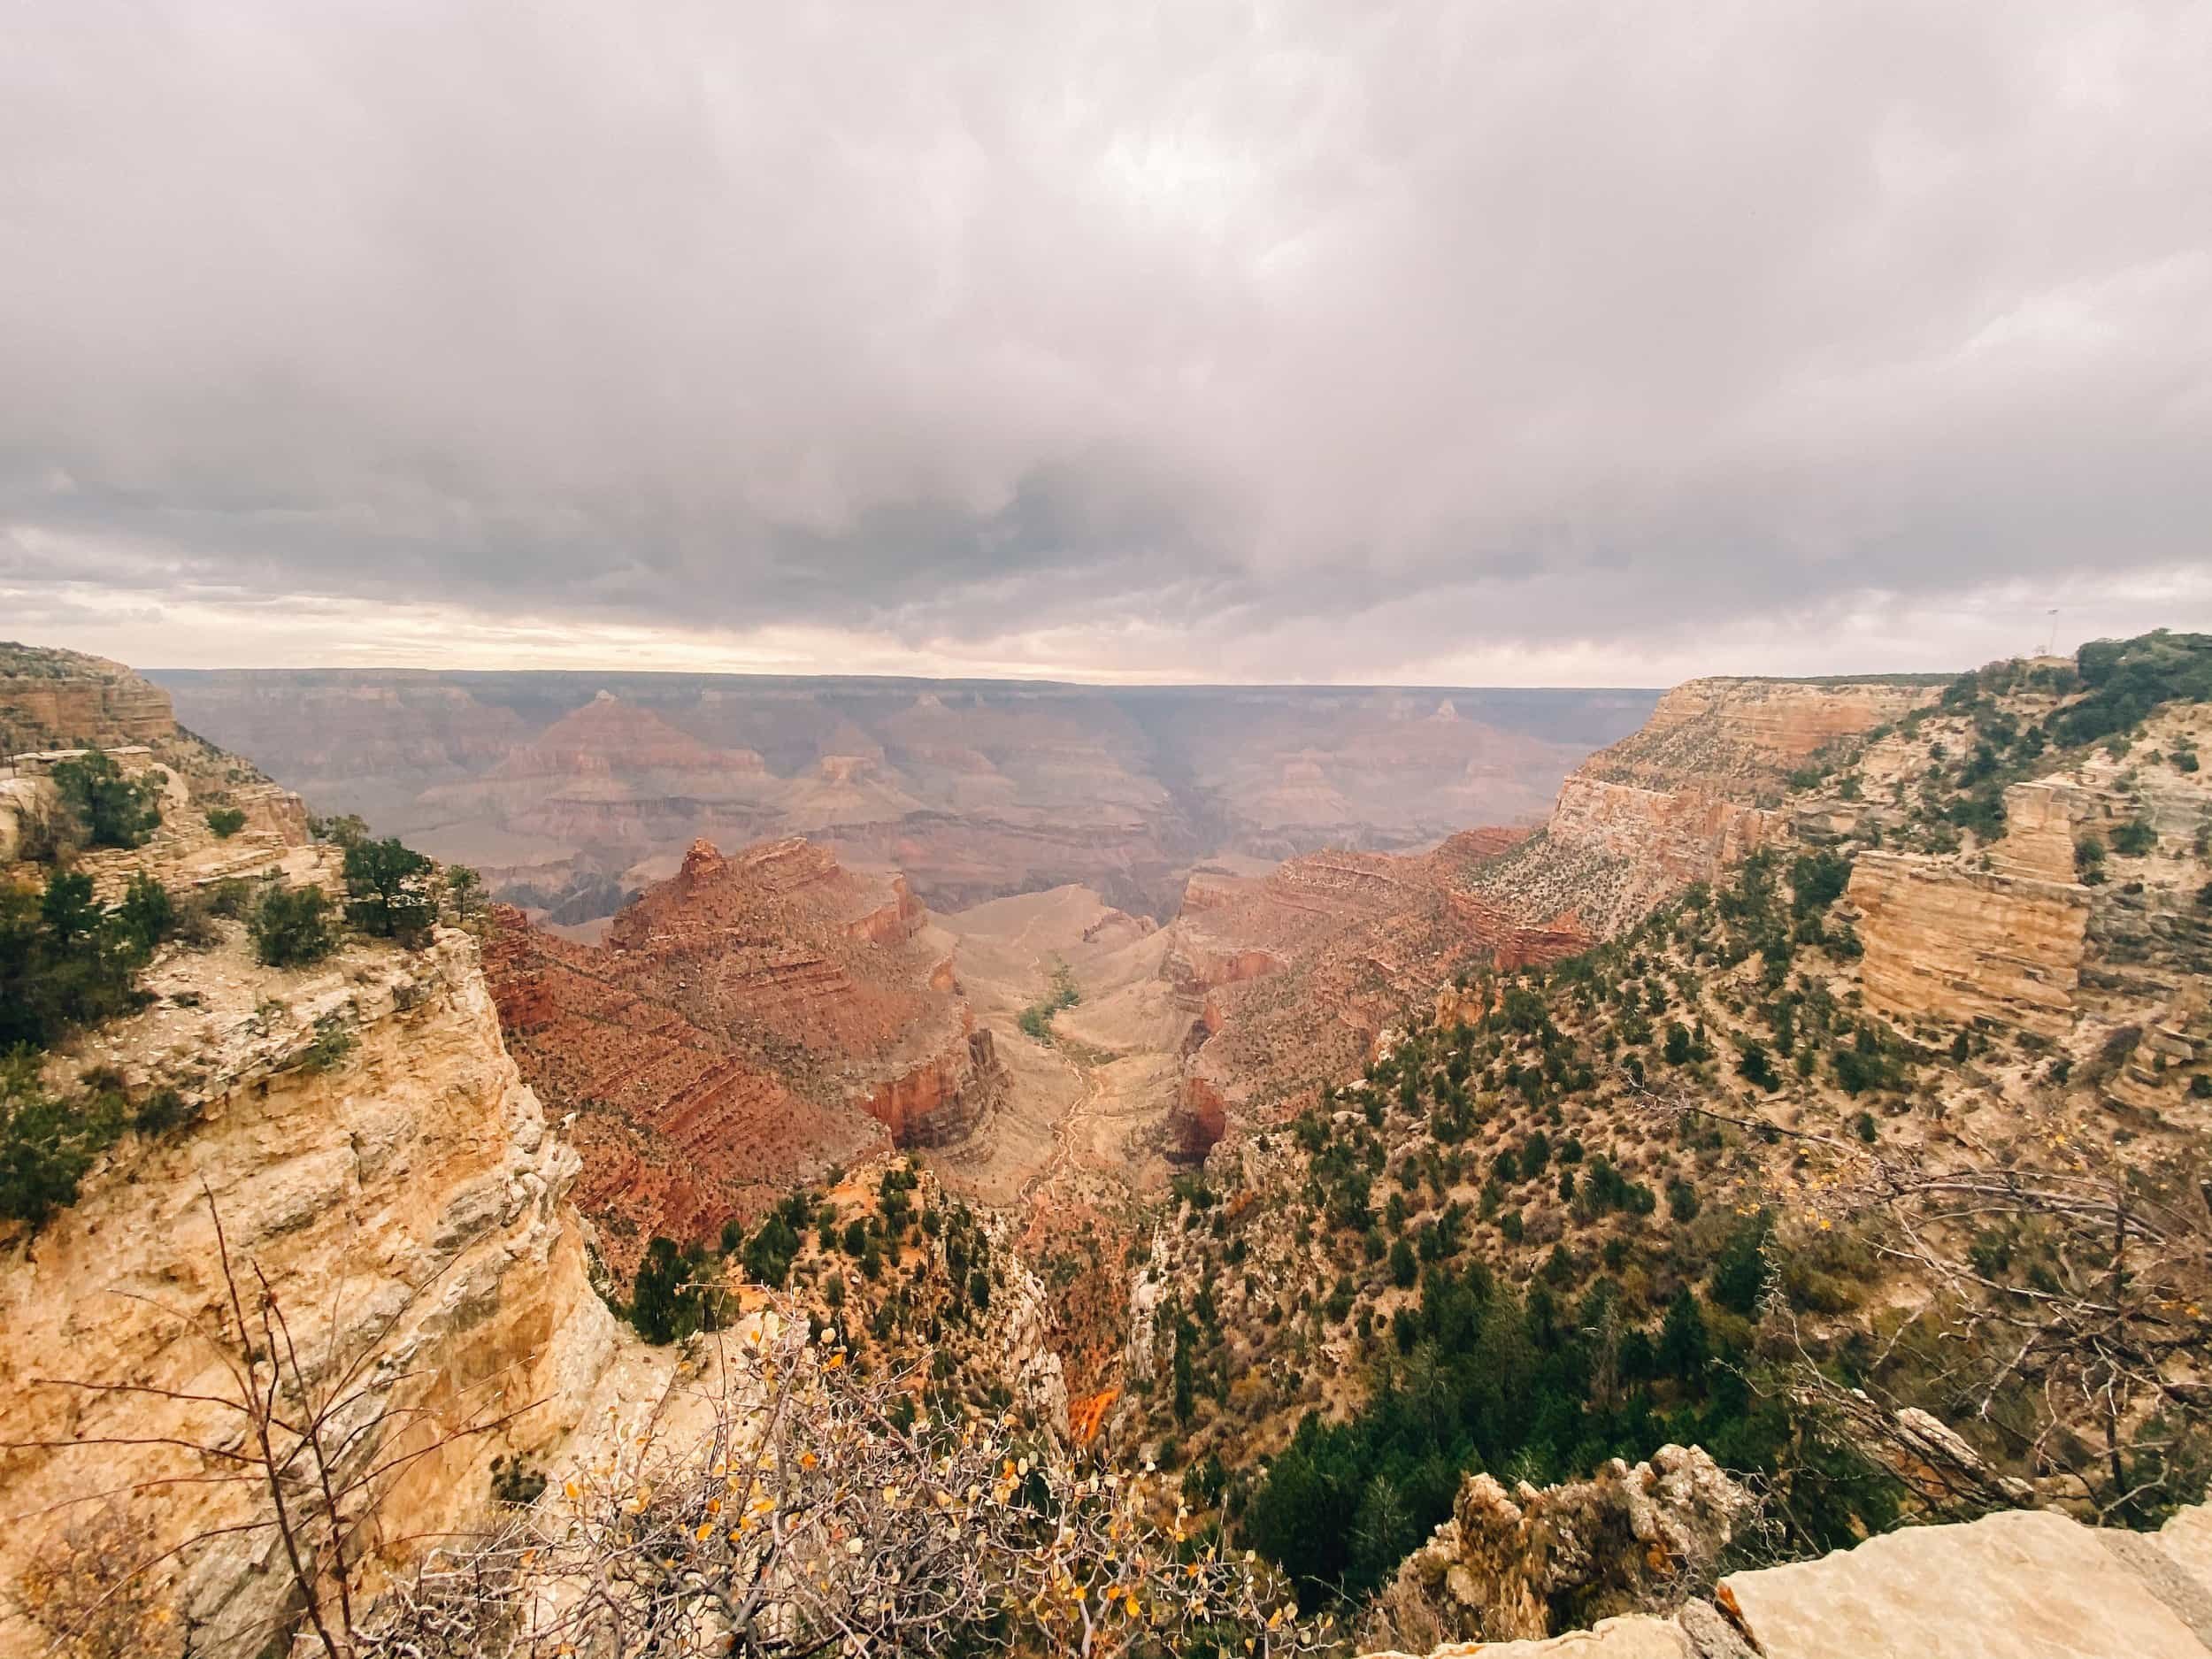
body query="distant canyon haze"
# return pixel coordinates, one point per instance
(572, 791)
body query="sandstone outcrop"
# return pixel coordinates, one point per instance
(2044, 819)
(1685, 797)
(1509, 1564)
(2023, 1582)
(1750, 733)
(53, 699)
(404, 1199)
(1669, 837)
(1954, 945)
(761, 1016)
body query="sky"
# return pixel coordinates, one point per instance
(1498, 341)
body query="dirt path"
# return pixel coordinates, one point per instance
(1065, 1132)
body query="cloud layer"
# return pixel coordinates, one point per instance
(1361, 341)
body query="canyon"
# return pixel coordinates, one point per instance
(573, 792)
(454, 1157)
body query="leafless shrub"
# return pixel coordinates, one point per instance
(2066, 1311)
(818, 1511)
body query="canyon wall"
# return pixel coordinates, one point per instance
(53, 699)
(1288, 978)
(1692, 792)
(1954, 945)
(1749, 734)
(404, 1201)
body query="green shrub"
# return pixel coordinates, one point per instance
(1757, 1067)
(333, 1041)
(162, 1110)
(516, 1482)
(2128, 679)
(770, 1252)
(665, 1303)
(1402, 1265)
(1739, 1271)
(1682, 1201)
(225, 821)
(2134, 838)
(64, 963)
(114, 810)
(230, 898)
(48, 1143)
(147, 913)
(291, 926)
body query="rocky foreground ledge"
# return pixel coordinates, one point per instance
(2018, 1585)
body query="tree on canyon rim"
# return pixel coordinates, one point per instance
(388, 889)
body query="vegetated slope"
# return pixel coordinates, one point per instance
(56, 706)
(573, 792)
(1852, 1114)
(750, 1022)
(1289, 976)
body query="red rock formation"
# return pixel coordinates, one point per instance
(1198, 1119)
(754, 1018)
(1289, 978)
(941, 1100)
(1088, 1415)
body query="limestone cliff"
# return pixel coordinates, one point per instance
(1687, 796)
(402, 1199)
(1954, 946)
(54, 699)
(2084, 906)
(1508, 1566)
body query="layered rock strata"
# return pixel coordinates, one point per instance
(1954, 945)
(1685, 797)
(573, 792)
(56, 699)
(1289, 978)
(758, 1018)
(404, 1202)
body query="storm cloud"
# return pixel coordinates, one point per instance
(1435, 342)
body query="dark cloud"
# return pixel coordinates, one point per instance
(1264, 340)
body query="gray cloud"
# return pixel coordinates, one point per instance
(1269, 341)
